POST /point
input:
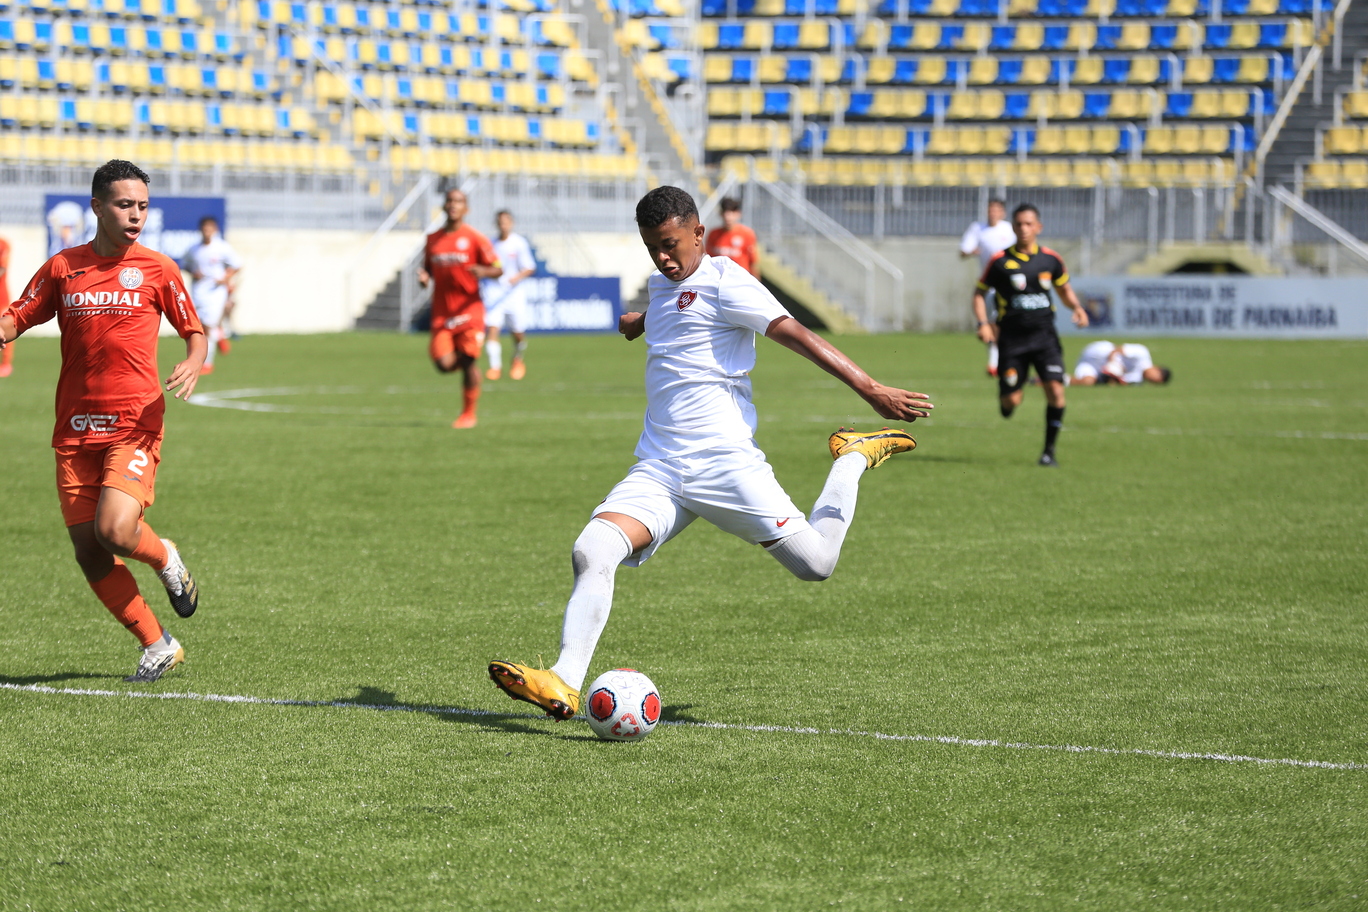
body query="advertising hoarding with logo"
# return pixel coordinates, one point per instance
(172, 225)
(577, 304)
(1213, 306)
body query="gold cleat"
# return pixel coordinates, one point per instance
(874, 446)
(544, 689)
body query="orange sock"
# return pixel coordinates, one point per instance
(468, 398)
(150, 550)
(119, 593)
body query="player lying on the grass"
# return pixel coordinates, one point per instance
(697, 453)
(1128, 363)
(1021, 277)
(109, 297)
(455, 259)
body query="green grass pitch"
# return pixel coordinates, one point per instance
(1191, 580)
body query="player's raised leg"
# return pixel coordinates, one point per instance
(494, 351)
(518, 369)
(812, 554)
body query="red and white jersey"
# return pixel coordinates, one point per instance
(109, 310)
(737, 243)
(700, 349)
(447, 257)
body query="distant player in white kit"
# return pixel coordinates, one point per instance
(986, 241)
(505, 299)
(1126, 364)
(212, 264)
(697, 454)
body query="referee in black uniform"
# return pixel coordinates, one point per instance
(1022, 276)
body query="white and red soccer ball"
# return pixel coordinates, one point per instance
(623, 705)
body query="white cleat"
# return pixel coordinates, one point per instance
(157, 660)
(180, 585)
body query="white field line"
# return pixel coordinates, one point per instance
(724, 726)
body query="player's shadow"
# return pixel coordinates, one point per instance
(387, 700)
(26, 680)
(678, 712)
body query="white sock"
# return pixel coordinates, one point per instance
(812, 554)
(494, 348)
(597, 553)
(518, 349)
(214, 335)
(992, 355)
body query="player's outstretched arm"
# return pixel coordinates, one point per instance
(632, 325)
(890, 402)
(186, 374)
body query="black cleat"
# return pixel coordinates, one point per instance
(1047, 459)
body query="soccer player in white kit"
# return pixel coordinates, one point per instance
(505, 299)
(697, 453)
(987, 241)
(212, 264)
(1126, 364)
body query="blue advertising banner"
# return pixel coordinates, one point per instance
(1233, 307)
(172, 224)
(573, 303)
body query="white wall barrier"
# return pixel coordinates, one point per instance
(1214, 306)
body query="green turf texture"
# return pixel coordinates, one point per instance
(1190, 579)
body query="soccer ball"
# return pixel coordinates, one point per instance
(623, 705)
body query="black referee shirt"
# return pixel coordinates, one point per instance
(1023, 282)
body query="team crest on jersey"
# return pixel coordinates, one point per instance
(1045, 278)
(131, 277)
(686, 298)
(462, 243)
(1019, 281)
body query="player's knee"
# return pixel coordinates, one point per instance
(815, 571)
(115, 533)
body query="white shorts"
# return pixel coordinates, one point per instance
(734, 489)
(508, 312)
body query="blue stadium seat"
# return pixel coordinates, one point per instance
(1004, 37)
(1059, 68)
(1022, 142)
(900, 36)
(714, 7)
(798, 70)
(915, 140)
(937, 103)
(957, 69)
(1056, 36)
(860, 103)
(1262, 102)
(1116, 69)
(743, 69)
(1225, 69)
(664, 36)
(549, 65)
(1096, 104)
(1272, 34)
(950, 37)
(785, 36)
(680, 66)
(731, 35)
(1009, 72)
(1179, 104)
(777, 104)
(904, 71)
(1234, 7)
(1162, 37)
(1217, 36)
(1126, 141)
(1016, 105)
(1107, 36)
(978, 8)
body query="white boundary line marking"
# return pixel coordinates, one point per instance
(724, 726)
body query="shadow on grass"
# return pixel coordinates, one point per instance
(477, 718)
(25, 680)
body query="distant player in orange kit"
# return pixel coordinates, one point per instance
(109, 297)
(7, 355)
(455, 259)
(734, 239)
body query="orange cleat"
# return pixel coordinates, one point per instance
(518, 370)
(467, 420)
(493, 374)
(6, 370)
(206, 369)
(224, 346)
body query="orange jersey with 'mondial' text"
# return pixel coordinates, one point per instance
(109, 310)
(455, 289)
(737, 243)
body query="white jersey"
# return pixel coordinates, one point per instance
(987, 241)
(515, 256)
(211, 261)
(700, 349)
(1102, 357)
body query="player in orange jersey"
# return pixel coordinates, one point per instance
(7, 354)
(455, 259)
(734, 239)
(109, 297)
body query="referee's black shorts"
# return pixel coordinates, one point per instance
(1019, 352)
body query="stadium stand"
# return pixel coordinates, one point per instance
(275, 85)
(1136, 91)
(1341, 158)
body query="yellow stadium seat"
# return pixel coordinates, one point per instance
(925, 36)
(1321, 174)
(970, 141)
(772, 68)
(976, 36)
(724, 103)
(911, 104)
(1100, 9)
(1035, 70)
(983, 71)
(874, 36)
(812, 35)
(1342, 140)
(1187, 140)
(721, 137)
(1104, 140)
(1191, 35)
(1144, 70)
(1354, 173)
(1135, 36)
(878, 70)
(1300, 33)
(1049, 141)
(1077, 140)
(1088, 71)
(1197, 170)
(963, 106)
(1233, 103)
(1130, 105)
(1082, 36)
(1355, 104)
(1159, 141)
(1253, 69)
(1198, 70)
(1021, 9)
(931, 70)
(717, 68)
(1243, 35)
(1029, 36)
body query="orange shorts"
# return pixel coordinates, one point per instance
(128, 465)
(466, 342)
